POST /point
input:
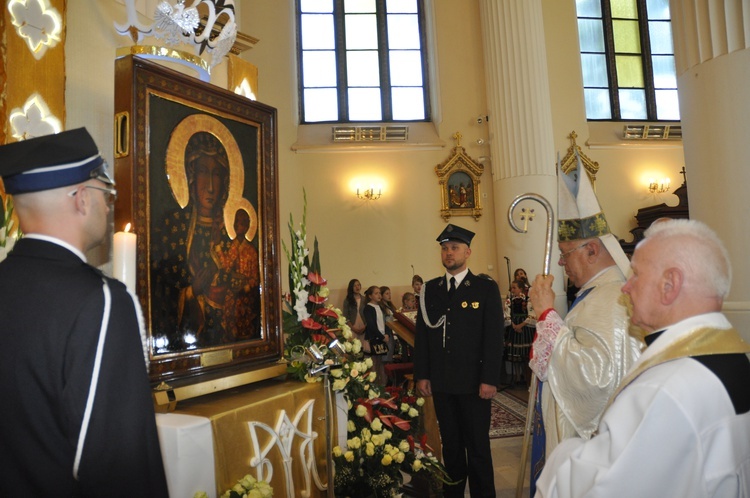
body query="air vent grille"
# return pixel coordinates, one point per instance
(370, 133)
(652, 132)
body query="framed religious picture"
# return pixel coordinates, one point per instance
(196, 172)
(459, 178)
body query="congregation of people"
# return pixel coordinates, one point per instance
(641, 388)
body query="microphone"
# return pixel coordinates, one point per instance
(506, 258)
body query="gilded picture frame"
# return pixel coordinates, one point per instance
(459, 179)
(196, 168)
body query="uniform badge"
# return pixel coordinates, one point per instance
(475, 305)
(464, 304)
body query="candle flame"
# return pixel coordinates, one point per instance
(127, 227)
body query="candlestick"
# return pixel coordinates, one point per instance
(123, 258)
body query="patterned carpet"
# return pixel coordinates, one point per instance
(508, 416)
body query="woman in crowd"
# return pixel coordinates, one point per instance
(375, 331)
(520, 275)
(416, 284)
(353, 307)
(519, 331)
(389, 310)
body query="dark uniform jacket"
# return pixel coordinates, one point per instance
(472, 350)
(52, 304)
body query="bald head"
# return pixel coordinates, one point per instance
(76, 214)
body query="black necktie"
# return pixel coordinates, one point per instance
(452, 286)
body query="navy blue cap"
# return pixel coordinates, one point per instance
(455, 232)
(51, 161)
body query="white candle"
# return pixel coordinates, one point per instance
(123, 258)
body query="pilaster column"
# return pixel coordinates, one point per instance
(713, 68)
(521, 141)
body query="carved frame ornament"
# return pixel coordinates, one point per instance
(459, 179)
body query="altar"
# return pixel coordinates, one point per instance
(273, 430)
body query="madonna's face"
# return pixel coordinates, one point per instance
(210, 184)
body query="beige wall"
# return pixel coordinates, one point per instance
(378, 242)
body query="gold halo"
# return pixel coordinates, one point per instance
(175, 164)
(245, 205)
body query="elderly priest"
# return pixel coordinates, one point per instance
(78, 419)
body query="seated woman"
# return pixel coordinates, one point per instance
(519, 331)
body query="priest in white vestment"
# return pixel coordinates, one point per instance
(582, 359)
(679, 425)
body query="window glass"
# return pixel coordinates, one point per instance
(363, 58)
(591, 35)
(361, 32)
(401, 6)
(316, 5)
(317, 32)
(664, 71)
(589, 8)
(406, 68)
(658, 9)
(408, 104)
(633, 104)
(597, 103)
(627, 59)
(364, 104)
(321, 105)
(403, 31)
(351, 6)
(362, 68)
(667, 105)
(660, 33)
(624, 9)
(627, 37)
(629, 71)
(594, 70)
(319, 69)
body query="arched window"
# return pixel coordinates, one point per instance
(627, 57)
(362, 61)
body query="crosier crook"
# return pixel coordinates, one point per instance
(547, 260)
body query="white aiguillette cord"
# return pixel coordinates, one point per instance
(94, 377)
(440, 322)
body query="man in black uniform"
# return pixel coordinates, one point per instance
(457, 358)
(78, 419)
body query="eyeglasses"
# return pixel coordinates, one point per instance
(564, 256)
(110, 192)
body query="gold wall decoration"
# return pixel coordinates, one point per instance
(27, 76)
(570, 162)
(459, 184)
(242, 77)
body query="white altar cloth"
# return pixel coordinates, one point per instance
(187, 449)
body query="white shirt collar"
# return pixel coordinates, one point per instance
(59, 242)
(458, 276)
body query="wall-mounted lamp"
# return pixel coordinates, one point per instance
(658, 187)
(369, 194)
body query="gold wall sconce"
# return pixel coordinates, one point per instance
(659, 187)
(369, 194)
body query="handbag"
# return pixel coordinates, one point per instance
(377, 346)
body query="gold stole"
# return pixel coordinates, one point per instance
(699, 342)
